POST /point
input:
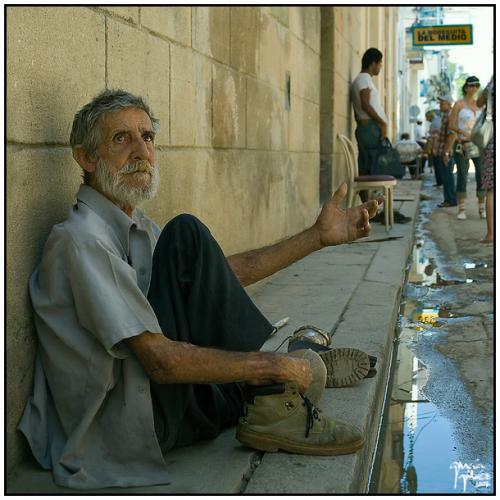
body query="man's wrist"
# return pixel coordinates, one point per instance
(314, 235)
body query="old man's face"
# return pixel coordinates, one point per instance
(125, 171)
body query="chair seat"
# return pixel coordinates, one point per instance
(374, 178)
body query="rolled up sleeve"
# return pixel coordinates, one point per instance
(108, 301)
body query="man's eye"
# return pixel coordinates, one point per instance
(149, 137)
(119, 138)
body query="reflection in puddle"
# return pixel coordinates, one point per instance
(424, 270)
(475, 265)
(419, 449)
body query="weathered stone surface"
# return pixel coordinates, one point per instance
(148, 76)
(303, 122)
(305, 22)
(211, 33)
(267, 118)
(302, 190)
(245, 38)
(274, 39)
(297, 64)
(51, 178)
(172, 22)
(311, 75)
(191, 98)
(127, 13)
(229, 108)
(280, 13)
(48, 76)
(251, 184)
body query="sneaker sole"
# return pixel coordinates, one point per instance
(271, 443)
(345, 366)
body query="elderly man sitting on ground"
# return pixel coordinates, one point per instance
(147, 339)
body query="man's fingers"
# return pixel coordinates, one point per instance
(339, 195)
(365, 228)
(366, 219)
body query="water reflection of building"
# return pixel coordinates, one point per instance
(422, 271)
(398, 474)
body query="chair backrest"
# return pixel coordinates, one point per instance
(350, 156)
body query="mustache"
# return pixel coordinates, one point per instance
(137, 166)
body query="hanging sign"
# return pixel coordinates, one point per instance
(443, 34)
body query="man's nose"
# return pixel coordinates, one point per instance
(140, 150)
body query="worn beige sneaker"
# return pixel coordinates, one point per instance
(283, 419)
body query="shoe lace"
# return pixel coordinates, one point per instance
(313, 414)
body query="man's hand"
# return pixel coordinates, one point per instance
(289, 369)
(336, 225)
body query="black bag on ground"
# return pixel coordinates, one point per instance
(388, 161)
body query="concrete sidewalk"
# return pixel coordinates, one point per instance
(352, 290)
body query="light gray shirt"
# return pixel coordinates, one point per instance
(90, 416)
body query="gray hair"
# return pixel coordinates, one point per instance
(86, 129)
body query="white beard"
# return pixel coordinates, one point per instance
(112, 186)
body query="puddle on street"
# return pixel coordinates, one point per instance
(475, 265)
(419, 449)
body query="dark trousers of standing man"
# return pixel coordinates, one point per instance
(368, 138)
(198, 299)
(447, 179)
(438, 166)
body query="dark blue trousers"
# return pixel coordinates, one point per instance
(198, 299)
(448, 179)
(368, 138)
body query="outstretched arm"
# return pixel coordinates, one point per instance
(333, 226)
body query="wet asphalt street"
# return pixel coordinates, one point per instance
(439, 432)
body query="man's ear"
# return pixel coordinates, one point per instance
(83, 159)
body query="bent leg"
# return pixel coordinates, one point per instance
(195, 294)
(198, 299)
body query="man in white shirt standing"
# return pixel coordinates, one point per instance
(371, 120)
(370, 116)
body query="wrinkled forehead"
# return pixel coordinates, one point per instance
(128, 119)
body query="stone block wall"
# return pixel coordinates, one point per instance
(245, 96)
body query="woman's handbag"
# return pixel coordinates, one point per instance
(483, 128)
(471, 150)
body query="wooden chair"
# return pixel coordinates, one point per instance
(369, 183)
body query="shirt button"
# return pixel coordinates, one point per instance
(142, 271)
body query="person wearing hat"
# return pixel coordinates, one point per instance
(444, 160)
(463, 116)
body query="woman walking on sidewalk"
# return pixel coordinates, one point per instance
(463, 116)
(488, 158)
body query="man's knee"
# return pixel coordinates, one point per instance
(184, 227)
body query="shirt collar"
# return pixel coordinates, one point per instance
(107, 210)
